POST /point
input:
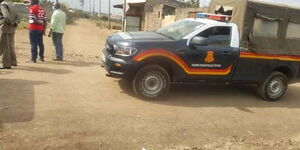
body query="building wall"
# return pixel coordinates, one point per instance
(156, 15)
(153, 18)
(188, 12)
(168, 20)
(150, 4)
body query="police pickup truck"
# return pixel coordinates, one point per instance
(194, 50)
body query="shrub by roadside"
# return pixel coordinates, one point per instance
(23, 24)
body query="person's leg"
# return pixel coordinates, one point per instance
(61, 47)
(33, 42)
(55, 38)
(12, 50)
(41, 45)
(54, 43)
(6, 60)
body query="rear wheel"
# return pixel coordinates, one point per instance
(274, 87)
(151, 82)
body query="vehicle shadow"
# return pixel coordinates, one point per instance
(126, 87)
(44, 70)
(72, 63)
(240, 97)
(17, 100)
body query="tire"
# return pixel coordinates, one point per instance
(151, 82)
(274, 87)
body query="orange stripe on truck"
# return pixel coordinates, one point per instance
(252, 55)
(171, 56)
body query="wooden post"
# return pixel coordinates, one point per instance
(93, 8)
(109, 14)
(100, 12)
(124, 16)
(90, 5)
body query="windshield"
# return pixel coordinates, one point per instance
(180, 29)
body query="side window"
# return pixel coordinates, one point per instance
(217, 36)
(265, 28)
(293, 31)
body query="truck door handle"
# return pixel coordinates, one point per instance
(226, 53)
(180, 52)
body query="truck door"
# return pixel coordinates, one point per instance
(210, 54)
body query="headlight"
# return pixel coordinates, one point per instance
(107, 46)
(124, 50)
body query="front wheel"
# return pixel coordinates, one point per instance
(274, 87)
(151, 82)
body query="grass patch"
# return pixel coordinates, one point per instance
(113, 25)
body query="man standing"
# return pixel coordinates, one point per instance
(37, 27)
(58, 23)
(8, 23)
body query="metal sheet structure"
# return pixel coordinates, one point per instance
(266, 26)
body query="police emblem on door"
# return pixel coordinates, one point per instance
(210, 57)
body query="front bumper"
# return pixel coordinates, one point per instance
(116, 67)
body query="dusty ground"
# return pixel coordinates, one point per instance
(72, 105)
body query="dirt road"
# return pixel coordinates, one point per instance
(72, 105)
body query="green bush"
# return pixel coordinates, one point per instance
(18, 1)
(23, 24)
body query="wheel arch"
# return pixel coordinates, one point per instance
(285, 70)
(171, 67)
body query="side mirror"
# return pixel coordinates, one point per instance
(198, 41)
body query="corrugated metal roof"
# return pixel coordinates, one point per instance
(288, 3)
(135, 1)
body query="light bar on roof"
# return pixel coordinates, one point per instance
(216, 17)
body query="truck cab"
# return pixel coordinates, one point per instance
(194, 50)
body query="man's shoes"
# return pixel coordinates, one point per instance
(30, 61)
(42, 59)
(58, 59)
(5, 68)
(15, 65)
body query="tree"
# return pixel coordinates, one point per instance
(195, 3)
(19, 1)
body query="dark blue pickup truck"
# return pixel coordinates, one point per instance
(193, 50)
